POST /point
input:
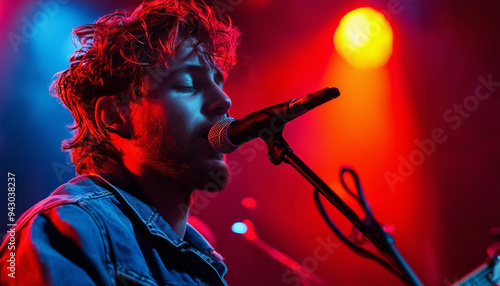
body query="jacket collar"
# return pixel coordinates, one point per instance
(148, 215)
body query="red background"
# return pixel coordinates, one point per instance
(442, 208)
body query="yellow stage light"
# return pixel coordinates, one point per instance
(364, 38)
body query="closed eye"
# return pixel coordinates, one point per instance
(184, 89)
(219, 79)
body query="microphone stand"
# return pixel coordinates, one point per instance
(279, 151)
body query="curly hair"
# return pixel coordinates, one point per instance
(115, 56)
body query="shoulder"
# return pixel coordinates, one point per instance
(81, 188)
(61, 230)
(64, 204)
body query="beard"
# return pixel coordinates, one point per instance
(171, 153)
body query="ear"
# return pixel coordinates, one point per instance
(111, 118)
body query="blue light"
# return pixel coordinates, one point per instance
(239, 227)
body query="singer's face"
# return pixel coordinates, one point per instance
(175, 119)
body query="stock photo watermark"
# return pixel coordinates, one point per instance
(11, 233)
(323, 250)
(454, 118)
(31, 25)
(224, 7)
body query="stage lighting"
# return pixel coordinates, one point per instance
(249, 203)
(364, 38)
(239, 227)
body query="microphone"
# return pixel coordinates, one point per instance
(226, 135)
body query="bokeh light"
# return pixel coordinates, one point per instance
(249, 202)
(364, 38)
(239, 227)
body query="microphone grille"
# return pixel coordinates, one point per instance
(217, 136)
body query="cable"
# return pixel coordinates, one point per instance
(360, 197)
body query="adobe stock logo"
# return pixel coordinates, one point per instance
(223, 7)
(31, 26)
(455, 116)
(323, 251)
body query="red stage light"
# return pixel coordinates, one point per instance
(249, 203)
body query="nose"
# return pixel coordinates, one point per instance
(217, 103)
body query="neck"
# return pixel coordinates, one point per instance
(171, 199)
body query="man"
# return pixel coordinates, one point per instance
(144, 88)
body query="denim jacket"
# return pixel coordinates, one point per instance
(89, 232)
